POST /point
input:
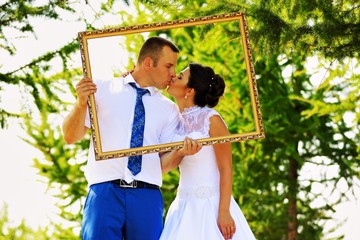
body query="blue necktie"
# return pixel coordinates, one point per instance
(137, 132)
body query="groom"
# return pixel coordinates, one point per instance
(121, 203)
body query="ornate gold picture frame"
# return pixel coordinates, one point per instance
(86, 38)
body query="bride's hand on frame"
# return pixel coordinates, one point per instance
(190, 147)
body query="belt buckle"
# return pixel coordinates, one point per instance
(124, 184)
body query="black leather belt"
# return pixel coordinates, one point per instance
(134, 184)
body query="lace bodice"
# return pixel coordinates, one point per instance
(195, 120)
(198, 170)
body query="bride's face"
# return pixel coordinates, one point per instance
(178, 86)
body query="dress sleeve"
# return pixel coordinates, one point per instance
(211, 112)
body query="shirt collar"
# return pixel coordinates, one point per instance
(129, 78)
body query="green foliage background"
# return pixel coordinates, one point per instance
(304, 118)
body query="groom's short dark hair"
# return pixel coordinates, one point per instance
(153, 46)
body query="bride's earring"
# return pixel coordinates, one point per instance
(185, 96)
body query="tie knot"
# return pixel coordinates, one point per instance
(139, 91)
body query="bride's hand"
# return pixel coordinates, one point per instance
(190, 147)
(128, 72)
(226, 225)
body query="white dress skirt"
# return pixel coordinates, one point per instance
(193, 213)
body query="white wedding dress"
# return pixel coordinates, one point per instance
(193, 213)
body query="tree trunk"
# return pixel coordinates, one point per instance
(292, 209)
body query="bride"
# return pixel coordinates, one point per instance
(204, 208)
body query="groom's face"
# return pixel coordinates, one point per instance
(163, 71)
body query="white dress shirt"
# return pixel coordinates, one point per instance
(115, 101)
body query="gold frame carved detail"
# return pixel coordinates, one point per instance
(83, 38)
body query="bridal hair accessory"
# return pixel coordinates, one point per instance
(210, 85)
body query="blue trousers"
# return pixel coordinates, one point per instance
(115, 213)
